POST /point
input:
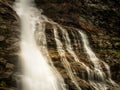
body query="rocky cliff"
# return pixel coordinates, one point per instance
(9, 46)
(98, 18)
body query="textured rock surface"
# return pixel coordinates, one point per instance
(9, 38)
(99, 18)
(78, 68)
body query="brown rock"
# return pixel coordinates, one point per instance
(2, 38)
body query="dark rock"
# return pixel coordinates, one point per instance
(2, 38)
(9, 39)
(98, 18)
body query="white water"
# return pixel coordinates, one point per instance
(37, 74)
(89, 51)
(70, 49)
(99, 85)
(63, 58)
(68, 44)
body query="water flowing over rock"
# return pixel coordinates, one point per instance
(31, 58)
(100, 20)
(67, 51)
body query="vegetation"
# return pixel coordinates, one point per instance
(118, 53)
(3, 83)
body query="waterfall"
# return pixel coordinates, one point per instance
(97, 67)
(63, 58)
(37, 73)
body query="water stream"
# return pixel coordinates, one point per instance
(100, 83)
(39, 72)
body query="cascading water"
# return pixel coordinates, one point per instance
(95, 61)
(63, 58)
(97, 67)
(37, 74)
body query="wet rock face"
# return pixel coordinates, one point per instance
(99, 18)
(80, 68)
(9, 40)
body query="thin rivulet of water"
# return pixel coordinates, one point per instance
(102, 78)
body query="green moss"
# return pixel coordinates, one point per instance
(118, 53)
(2, 83)
(112, 50)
